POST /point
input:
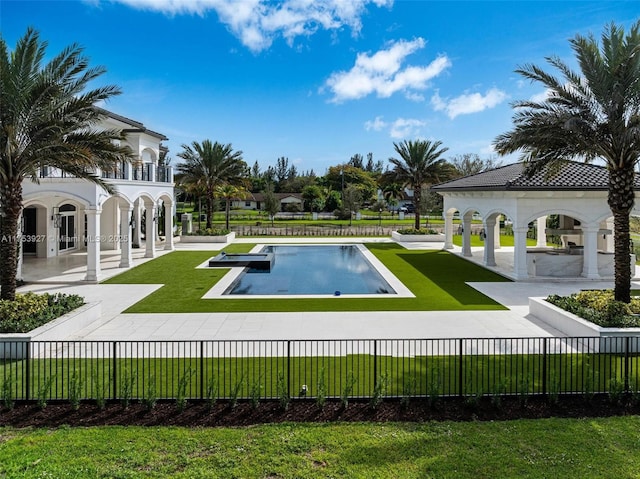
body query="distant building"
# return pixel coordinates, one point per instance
(255, 201)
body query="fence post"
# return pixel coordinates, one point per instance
(28, 370)
(626, 363)
(544, 366)
(375, 364)
(289, 368)
(114, 368)
(460, 368)
(201, 369)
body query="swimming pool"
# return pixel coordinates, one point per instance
(312, 270)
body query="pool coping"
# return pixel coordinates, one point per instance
(216, 292)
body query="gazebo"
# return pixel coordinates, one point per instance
(575, 193)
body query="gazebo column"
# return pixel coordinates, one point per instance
(93, 244)
(489, 254)
(149, 229)
(466, 236)
(590, 251)
(168, 226)
(496, 234)
(520, 270)
(541, 226)
(448, 230)
(125, 236)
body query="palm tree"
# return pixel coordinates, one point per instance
(420, 164)
(590, 114)
(47, 118)
(230, 192)
(209, 165)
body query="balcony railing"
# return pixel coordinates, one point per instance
(147, 172)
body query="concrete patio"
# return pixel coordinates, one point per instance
(65, 274)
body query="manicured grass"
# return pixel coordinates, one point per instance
(437, 279)
(568, 448)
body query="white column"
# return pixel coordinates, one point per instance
(496, 234)
(448, 231)
(93, 244)
(466, 236)
(520, 252)
(137, 223)
(489, 229)
(541, 226)
(168, 226)
(126, 258)
(590, 251)
(149, 229)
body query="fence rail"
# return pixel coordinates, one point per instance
(332, 368)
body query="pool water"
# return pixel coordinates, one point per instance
(312, 270)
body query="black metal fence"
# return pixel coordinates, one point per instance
(330, 368)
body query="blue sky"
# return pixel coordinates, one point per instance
(316, 81)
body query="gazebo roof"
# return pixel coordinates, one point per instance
(570, 175)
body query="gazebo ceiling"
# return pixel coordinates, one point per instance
(571, 175)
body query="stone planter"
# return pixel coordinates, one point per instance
(416, 238)
(15, 345)
(612, 340)
(208, 239)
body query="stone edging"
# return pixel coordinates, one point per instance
(13, 345)
(416, 238)
(575, 326)
(208, 239)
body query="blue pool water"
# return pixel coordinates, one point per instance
(313, 270)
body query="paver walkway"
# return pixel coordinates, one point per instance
(64, 274)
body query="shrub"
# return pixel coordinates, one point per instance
(75, 390)
(44, 391)
(379, 391)
(183, 384)
(347, 389)
(283, 392)
(421, 231)
(31, 310)
(212, 392)
(210, 232)
(321, 395)
(599, 307)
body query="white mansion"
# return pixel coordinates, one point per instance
(63, 214)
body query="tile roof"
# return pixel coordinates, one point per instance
(570, 175)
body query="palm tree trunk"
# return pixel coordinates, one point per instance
(11, 199)
(621, 199)
(416, 207)
(209, 209)
(227, 211)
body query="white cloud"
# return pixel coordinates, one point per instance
(405, 127)
(468, 103)
(257, 22)
(400, 128)
(382, 73)
(376, 125)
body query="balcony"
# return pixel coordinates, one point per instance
(126, 172)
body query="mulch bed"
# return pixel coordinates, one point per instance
(300, 410)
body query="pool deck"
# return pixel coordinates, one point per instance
(64, 274)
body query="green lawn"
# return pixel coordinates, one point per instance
(437, 279)
(567, 448)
